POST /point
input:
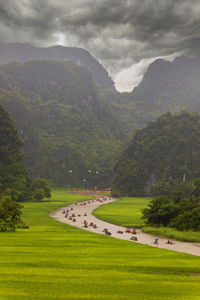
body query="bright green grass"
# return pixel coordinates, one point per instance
(125, 212)
(51, 260)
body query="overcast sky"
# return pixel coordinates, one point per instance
(124, 35)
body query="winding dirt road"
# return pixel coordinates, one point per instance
(83, 212)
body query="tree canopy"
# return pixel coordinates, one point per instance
(165, 151)
(13, 176)
(175, 210)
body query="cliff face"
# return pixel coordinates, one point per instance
(24, 52)
(170, 86)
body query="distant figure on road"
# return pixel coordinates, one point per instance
(170, 242)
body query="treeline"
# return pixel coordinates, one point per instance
(15, 184)
(177, 207)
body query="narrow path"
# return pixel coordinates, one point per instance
(81, 208)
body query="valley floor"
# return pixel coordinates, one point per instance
(53, 260)
(80, 209)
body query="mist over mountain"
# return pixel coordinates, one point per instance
(170, 86)
(166, 150)
(62, 121)
(10, 52)
(69, 115)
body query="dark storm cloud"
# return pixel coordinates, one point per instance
(121, 33)
(27, 20)
(159, 25)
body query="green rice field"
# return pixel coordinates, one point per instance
(127, 212)
(51, 260)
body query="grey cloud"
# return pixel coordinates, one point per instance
(33, 20)
(120, 33)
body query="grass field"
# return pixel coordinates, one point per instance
(51, 260)
(127, 212)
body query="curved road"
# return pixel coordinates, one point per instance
(87, 207)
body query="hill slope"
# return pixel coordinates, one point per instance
(24, 52)
(167, 147)
(62, 121)
(170, 86)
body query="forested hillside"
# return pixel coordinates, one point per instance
(166, 150)
(169, 86)
(10, 52)
(166, 86)
(62, 122)
(14, 180)
(71, 119)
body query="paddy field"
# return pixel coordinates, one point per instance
(127, 212)
(51, 260)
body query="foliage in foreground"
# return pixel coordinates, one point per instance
(52, 260)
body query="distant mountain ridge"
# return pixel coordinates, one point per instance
(10, 52)
(170, 86)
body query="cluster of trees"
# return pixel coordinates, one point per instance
(166, 148)
(10, 213)
(178, 206)
(15, 184)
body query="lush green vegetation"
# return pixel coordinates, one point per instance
(168, 86)
(125, 212)
(10, 52)
(10, 214)
(15, 185)
(175, 210)
(166, 148)
(51, 260)
(62, 121)
(13, 177)
(66, 122)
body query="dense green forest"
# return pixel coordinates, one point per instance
(178, 206)
(70, 117)
(62, 122)
(15, 184)
(164, 152)
(14, 180)
(168, 86)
